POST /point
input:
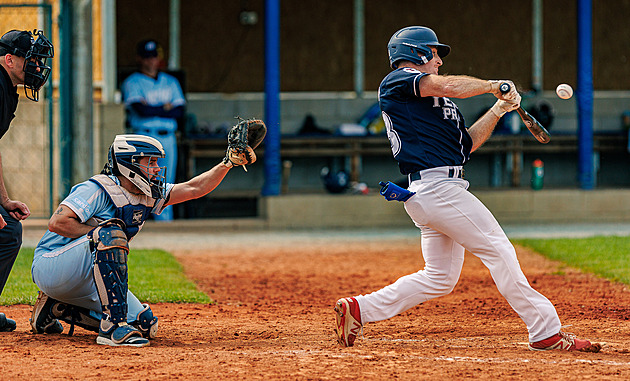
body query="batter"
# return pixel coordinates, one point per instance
(431, 143)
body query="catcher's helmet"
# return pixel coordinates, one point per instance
(413, 43)
(123, 158)
(35, 52)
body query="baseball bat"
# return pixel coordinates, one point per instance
(540, 133)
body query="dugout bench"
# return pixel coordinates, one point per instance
(355, 147)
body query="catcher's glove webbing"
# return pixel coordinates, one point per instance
(242, 139)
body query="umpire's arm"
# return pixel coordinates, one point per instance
(198, 186)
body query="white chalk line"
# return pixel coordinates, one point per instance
(449, 359)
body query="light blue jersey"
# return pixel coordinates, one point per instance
(140, 88)
(87, 200)
(63, 267)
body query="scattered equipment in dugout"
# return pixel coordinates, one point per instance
(337, 182)
(243, 138)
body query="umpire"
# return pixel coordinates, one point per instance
(22, 62)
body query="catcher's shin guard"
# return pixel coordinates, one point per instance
(110, 246)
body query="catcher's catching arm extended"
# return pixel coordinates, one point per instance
(242, 140)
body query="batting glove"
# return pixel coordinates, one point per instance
(496, 91)
(501, 107)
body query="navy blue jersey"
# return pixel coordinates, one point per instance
(424, 132)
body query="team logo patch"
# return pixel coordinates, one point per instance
(137, 216)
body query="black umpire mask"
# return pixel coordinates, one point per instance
(36, 52)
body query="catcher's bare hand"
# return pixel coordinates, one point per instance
(235, 157)
(242, 139)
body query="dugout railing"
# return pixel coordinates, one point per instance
(511, 149)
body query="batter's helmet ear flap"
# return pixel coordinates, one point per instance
(413, 44)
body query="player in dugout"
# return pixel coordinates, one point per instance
(431, 143)
(80, 264)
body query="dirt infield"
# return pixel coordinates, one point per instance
(273, 320)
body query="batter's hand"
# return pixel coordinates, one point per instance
(496, 91)
(501, 107)
(17, 209)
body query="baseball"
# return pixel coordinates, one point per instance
(564, 91)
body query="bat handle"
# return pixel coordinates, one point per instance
(504, 88)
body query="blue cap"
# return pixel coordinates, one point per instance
(148, 48)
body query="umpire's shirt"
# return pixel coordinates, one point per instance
(8, 100)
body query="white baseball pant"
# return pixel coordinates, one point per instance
(453, 220)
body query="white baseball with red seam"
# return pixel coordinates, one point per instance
(564, 91)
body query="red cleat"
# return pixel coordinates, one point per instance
(348, 321)
(566, 342)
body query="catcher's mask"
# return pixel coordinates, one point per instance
(124, 157)
(36, 52)
(414, 43)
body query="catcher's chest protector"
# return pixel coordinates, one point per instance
(133, 215)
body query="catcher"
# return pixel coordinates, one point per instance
(80, 264)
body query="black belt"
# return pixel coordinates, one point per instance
(451, 173)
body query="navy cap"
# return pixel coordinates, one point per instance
(148, 48)
(17, 42)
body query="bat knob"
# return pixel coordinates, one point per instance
(504, 88)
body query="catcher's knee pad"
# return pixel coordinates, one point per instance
(110, 270)
(146, 323)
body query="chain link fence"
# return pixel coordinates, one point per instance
(26, 147)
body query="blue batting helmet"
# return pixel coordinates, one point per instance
(413, 43)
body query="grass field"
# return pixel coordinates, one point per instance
(604, 256)
(154, 276)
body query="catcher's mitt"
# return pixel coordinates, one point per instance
(242, 139)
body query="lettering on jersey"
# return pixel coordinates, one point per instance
(159, 96)
(81, 203)
(392, 135)
(449, 109)
(137, 217)
(411, 70)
